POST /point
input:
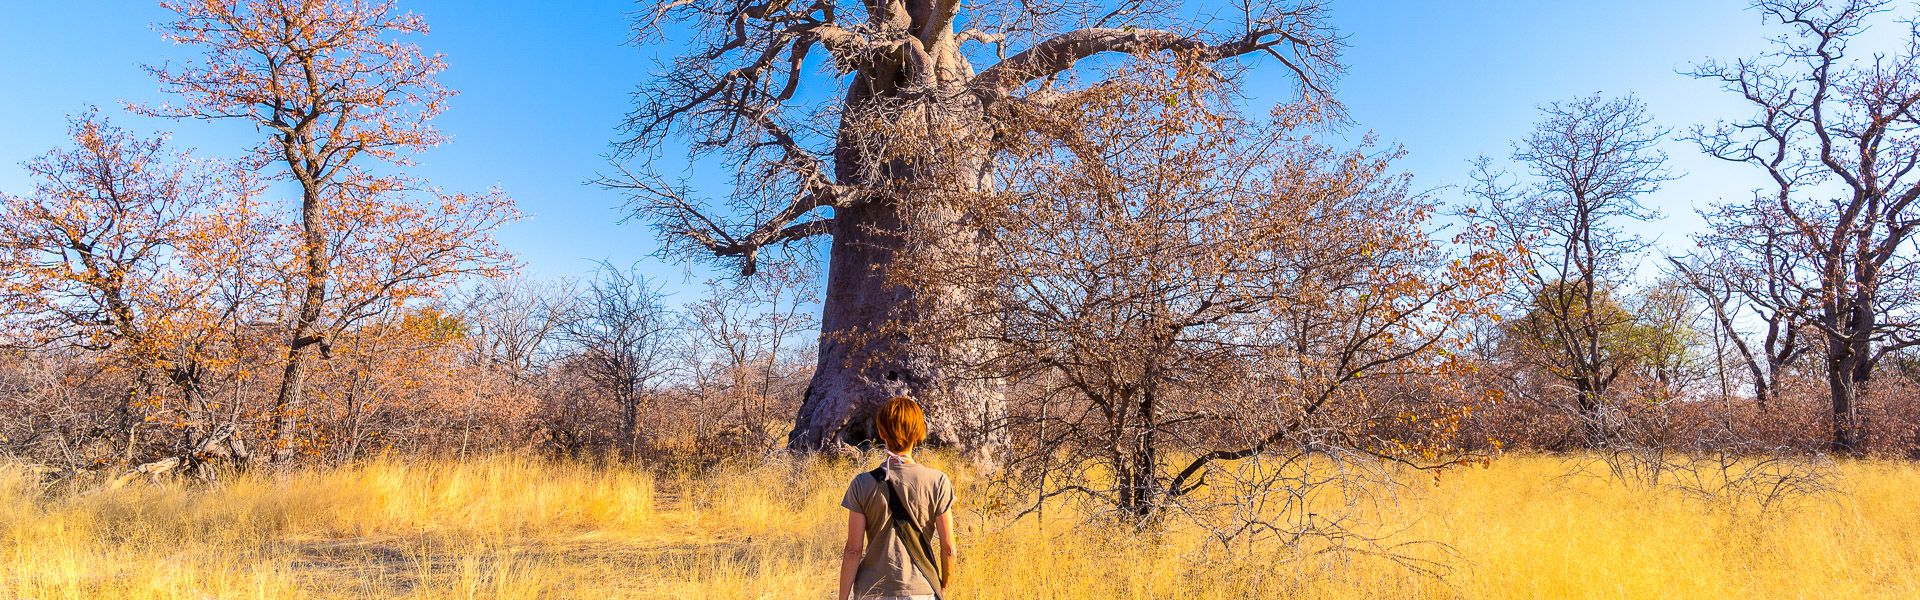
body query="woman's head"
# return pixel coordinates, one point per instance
(901, 424)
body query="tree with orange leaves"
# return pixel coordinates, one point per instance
(128, 250)
(337, 93)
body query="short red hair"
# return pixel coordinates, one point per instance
(900, 423)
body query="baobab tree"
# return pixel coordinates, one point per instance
(869, 143)
(1839, 138)
(336, 92)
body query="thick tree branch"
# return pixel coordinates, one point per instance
(1310, 53)
(749, 249)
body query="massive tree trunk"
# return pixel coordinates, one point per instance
(865, 356)
(868, 351)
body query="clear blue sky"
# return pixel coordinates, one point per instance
(543, 84)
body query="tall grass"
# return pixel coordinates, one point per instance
(514, 528)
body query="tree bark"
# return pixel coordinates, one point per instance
(1849, 366)
(1841, 388)
(867, 354)
(306, 328)
(293, 382)
(866, 358)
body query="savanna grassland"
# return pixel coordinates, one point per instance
(1519, 527)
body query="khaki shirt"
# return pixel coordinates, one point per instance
(887, 569)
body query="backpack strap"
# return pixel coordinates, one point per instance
(911, 535)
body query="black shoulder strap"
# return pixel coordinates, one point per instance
(911, 535)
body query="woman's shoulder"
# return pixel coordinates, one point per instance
(923, 472)
(937, 472)
(861, 485)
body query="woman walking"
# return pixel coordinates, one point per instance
(895, 512)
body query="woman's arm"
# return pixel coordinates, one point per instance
(850, 556)
(944, 524)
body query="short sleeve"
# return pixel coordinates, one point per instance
(943, 496)
(852, 499)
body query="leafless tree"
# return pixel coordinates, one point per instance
(743, 346)
(622, 339)
(1764, 339)
(853, 119)
(1589, 161)
(1839, 138)
(516, 323)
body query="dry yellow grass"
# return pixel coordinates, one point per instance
(511, 528)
